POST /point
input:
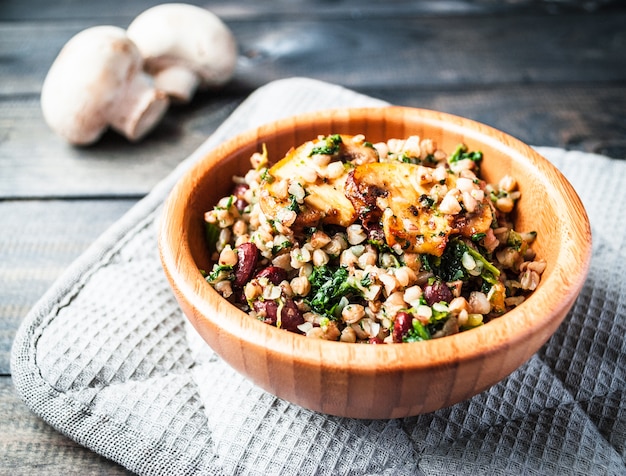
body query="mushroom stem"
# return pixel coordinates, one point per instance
(178, 82)
(139, 108)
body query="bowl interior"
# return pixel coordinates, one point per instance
(461, 365)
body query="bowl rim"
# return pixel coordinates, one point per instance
(510, 329)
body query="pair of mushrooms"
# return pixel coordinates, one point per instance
(106, 76)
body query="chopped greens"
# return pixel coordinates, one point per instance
(449, 267)
(476, 237)
(426, 201)
(514, 240)
(220, 273)
(452, 265)
(212, 235)
(266, 176)
(329, 146)
(294, 206)
(282, 246)
(408, 159)
(418, 332)
(328, 286)
(440, 312)
(461, 153)
(380, 245)
(490, 273)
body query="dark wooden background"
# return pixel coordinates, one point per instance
(552, 73)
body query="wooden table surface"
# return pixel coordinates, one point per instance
(552, 73)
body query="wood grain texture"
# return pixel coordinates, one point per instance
(28, 445)
(39, 240)
(353, 380)
(437, 52)
(419, 51)
(563, 86)
(49, 167)
(582, 116)
(279, 9)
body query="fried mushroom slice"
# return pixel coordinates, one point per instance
(393, 194)
(320, 167)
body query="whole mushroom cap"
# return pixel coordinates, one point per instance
(184, 47)
(97, 81)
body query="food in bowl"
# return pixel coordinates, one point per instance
(388, 242)
(378, 381)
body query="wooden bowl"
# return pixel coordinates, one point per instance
(379, 381)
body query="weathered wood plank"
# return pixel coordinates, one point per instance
(37, 163)
(577, 116)
(438, 53)
(28, 445)
(120, 9)
(584, 117)
(39, 240)
(418, 52)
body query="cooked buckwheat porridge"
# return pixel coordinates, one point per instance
(350, 241)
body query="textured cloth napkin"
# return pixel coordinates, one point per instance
(107, 358)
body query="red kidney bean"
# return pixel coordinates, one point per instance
(240, 189)
(375, 340)
(247, 257)
(437, 292)
(275, 274)
(268, 310)
(241, 204)
(239, 192)
(401, 325)
(290, 316)
(239, 296)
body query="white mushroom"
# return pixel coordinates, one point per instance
(185, 48)
(97, 81)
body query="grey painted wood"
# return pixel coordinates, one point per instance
(563, 85)
(43, 10)
(28, 446)
(38, 163)
(39, 239)
(419, 52)
(586, 116)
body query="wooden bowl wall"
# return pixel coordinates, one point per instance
(379, 381)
